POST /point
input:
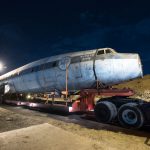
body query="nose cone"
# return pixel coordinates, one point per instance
(140, 67)
(133, 67)
(119, 68)
(127, 67)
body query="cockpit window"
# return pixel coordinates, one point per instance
(100, 52)
(108, 51)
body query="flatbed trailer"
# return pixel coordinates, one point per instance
(115, 107)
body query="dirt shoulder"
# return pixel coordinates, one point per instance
(47, 137)
(101, 137)
(140, 86)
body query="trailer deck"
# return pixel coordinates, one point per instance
(105, 110)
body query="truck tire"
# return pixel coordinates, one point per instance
(130, 116)
(105, 111)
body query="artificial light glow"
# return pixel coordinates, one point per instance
(1, 66)
(70, 109)
(7, 88)
(28, 96)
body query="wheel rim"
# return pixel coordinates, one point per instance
(129, 117)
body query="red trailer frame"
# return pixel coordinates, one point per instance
(84, 103)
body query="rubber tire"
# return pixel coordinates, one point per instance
(105, 111)
(132, 107)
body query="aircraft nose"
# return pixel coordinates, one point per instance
(140, 66)
(118, 68)
(130, 67)
(134, 67)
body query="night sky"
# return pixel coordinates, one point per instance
(31, 30)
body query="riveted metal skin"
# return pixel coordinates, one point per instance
(84, 69)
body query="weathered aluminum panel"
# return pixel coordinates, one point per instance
(74, 76)
(50, 79)
(41, 80)
(30, 81)
(83, 70)
(18, 83)
(114, 69)
(88, 78)
(80, 75)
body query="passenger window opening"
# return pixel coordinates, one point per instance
(41, 67)
(100, 52)
(32, 69)
(54, 64)
(108, 51)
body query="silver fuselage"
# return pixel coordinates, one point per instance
(84, 69)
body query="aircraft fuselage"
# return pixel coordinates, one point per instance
(84, 68)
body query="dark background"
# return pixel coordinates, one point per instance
(30, 30)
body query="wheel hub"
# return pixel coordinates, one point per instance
(129, 116)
